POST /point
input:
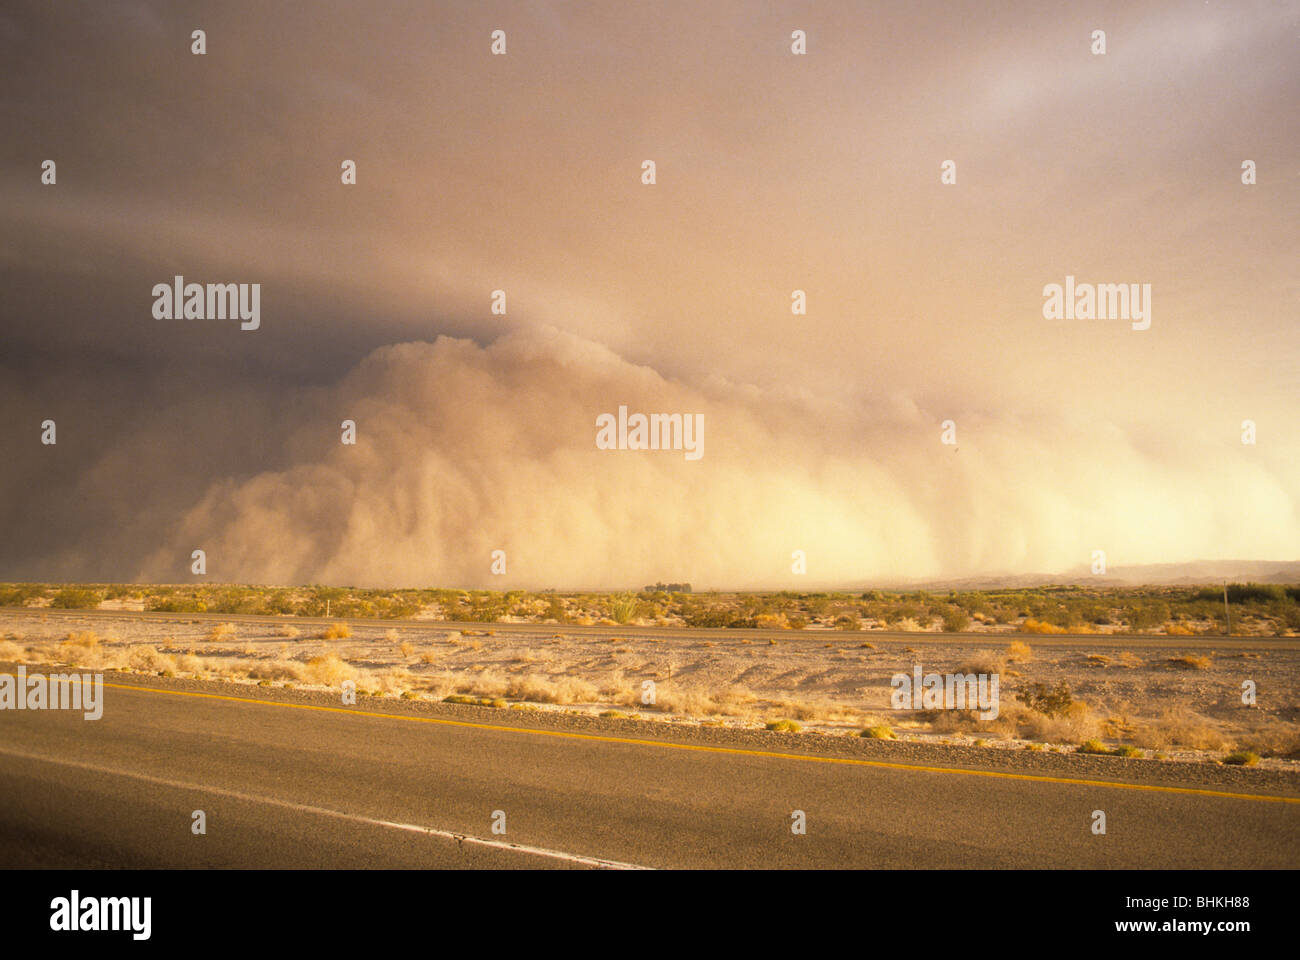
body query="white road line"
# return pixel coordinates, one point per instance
(337, 814)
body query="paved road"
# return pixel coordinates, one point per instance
(1090, 640)
(286, 785)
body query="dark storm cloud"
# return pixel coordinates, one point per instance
(521, 172)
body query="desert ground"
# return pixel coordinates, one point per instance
(1175, 698)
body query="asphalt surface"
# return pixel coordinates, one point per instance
(285, 783)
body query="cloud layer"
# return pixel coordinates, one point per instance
(776, 173)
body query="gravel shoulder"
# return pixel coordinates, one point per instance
(1172, 773)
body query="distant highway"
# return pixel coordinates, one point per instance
(1091, 640)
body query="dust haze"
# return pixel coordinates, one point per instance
(462, 450)
(776, 173)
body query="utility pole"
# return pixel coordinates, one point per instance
(1227, 617)
(327, 601)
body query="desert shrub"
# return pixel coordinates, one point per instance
(817, 604)
(488, 608)
(238, 600)
(1051, 702)
(1255, 592)
(279, 602)
(328, 670)
(982, 661)
(1019, 652)
(402, 610)
(784, 726)
(905, 611)
(17, 594)
(556, 611)
(1180, 726)
(955, 619)
(1038, 626)
(539, 689)
(623, 609)
(173, 603)
(1242, 758)
(878, 732)
(707, 617)
(146, 659)
(1145, 615)
(76, 598)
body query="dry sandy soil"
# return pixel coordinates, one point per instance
(1179, 702)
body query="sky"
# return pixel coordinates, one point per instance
(523, 172)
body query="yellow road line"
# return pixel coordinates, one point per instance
(738, 751)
